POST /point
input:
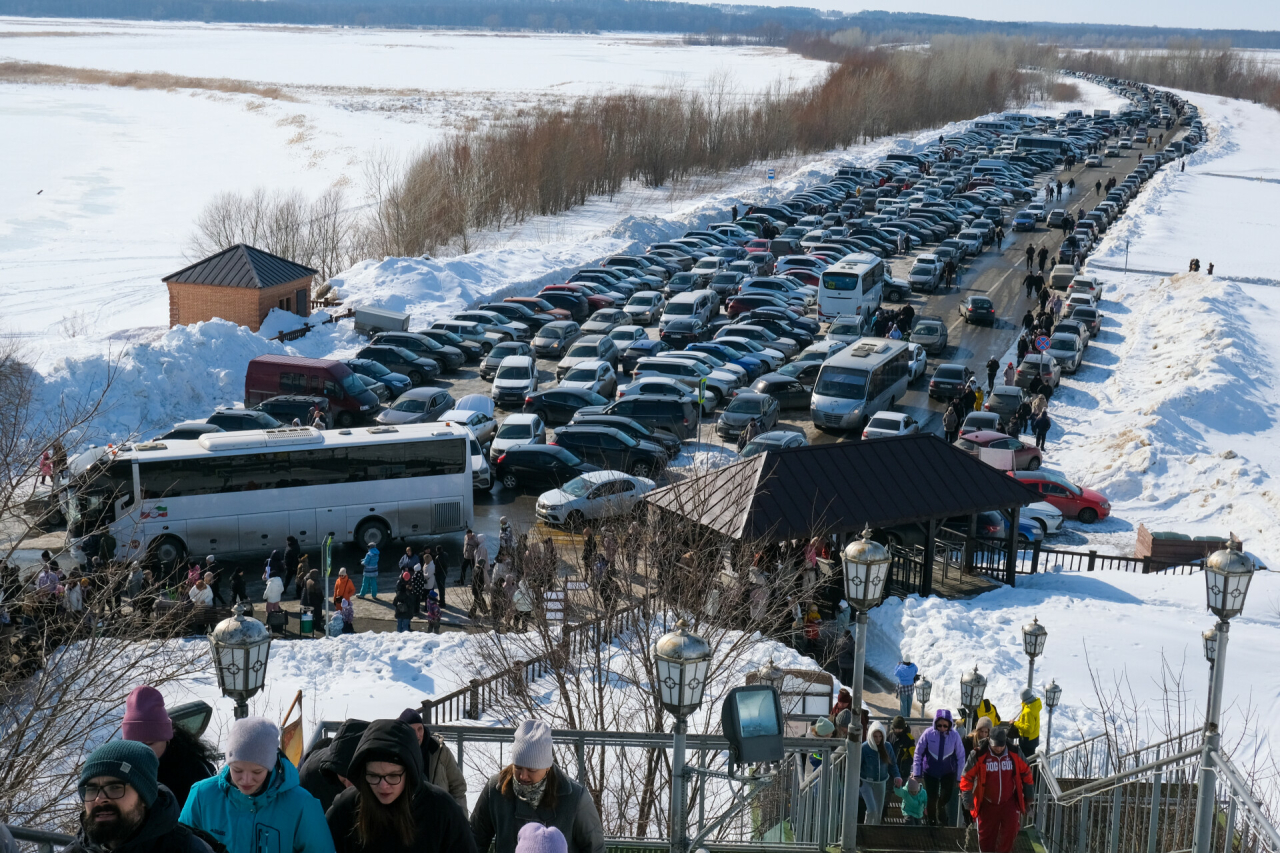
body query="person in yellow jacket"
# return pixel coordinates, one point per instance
(1028, 722)
(986, 709)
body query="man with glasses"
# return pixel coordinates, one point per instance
(125, 809)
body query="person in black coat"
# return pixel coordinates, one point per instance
(1041, 428)
(292, 556)
(184, 758)
(324, 770)
(390, 806)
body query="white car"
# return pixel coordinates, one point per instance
(518, 429)
(481, 473)
(1094, 159)
(719, 369)
(1044, 514)
(625, 336)
(645, 307)
(1037, 209)
(885, 424)
(846, 328)
(517, 378)
(482, 425)
(596, 375)
(774, 358)
(821, 350)
(798, 262)
(599, 494)
(654, 385)
(919, 362)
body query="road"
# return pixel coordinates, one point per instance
(996, 273)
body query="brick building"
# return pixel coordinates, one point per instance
(241, 284)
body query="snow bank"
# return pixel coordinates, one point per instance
(1113, 627)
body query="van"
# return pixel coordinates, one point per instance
(674, 414)
(350, 400)
(782, 246)
(1061, 276)
(913, 159)
(698, 304)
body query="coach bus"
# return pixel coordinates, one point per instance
(851, 286)
(247, 491)
(1053, 144)
(866, 377)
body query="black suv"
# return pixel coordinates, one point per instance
(612, 448)
(674, 414)
(235, 420)
(289, 407)
(669, 442)
(447, 356)
(558, 405)
(419, 369)
(542, 465)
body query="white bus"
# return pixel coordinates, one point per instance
(247, 491)
(851, 286)
(859, 381)
(1055, 145)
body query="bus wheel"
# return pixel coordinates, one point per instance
(345, 420)
(168, 551)
(373, 532)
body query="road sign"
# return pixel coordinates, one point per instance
(771, 174)
(1042, 342)
(702, 390)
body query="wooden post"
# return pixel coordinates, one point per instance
(926, 573)
(1011, 548)
(473, 700)
(1146, 565)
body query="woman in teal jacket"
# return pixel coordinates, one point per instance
(877, 769)
(255, 805)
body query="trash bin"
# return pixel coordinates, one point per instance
(306, 622)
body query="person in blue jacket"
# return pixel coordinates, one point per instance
(255, 804)
(907, 674)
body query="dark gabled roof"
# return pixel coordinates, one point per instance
(842, 487)
(242, 266)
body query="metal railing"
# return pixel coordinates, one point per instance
(38, 839)
(1040, 557)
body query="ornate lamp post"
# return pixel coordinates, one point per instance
(682, 660)
(972, 688)
(924, 688)
(866, 568)
(1033, 639)
(1052, 694)
(771, 675)
(240, 645)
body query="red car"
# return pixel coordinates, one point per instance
(594, 300)
(541, 306)
(804, 276)
(1025, 456)
(744, 302)
(1074, 501)
(757, 246)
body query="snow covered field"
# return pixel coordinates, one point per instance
(112, 178)
(1174, 416)
(1114, 628)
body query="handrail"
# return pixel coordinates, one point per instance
(1109, 782)
(44, 840)
(1245, 794)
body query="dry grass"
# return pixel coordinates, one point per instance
(43, 73)
(1064, 92)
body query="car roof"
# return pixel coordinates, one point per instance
(520, 418)
(985, 435)
(476, 403)
(591, 362)
(456, 414)
(896, 416)
(421, 393)
(514, 361)
(776, 436)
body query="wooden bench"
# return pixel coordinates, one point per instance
(1177, 549)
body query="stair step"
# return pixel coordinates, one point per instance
(930, 839)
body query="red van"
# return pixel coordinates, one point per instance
(350, 400)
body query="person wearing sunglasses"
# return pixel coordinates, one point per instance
(256, 804)
(126, 810)
(939, 759)
(390, 806)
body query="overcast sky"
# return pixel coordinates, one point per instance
(1207, 14)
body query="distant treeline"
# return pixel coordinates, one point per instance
(769, 25)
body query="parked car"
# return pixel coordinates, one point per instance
(397, 383)
(290, 407)
(775, 440)
(417, 406)
(516, 379)
(918, 362)
(489, 365)
(595, 496)
(272, 375)
(554, 339)
(1003, 401)
(473, 350)
(481, 472)
(668, 440)
(625, 336)
(1041, 364)
(678, 334)
(846, 328)
(1067, 350)
(925, 273)
(930, 333)
(605, 321)
(1024, 220)
(538, 465)
(188, 431)
(482, 424)
(645, 308)
(447, 356)
(419, 369)
(1025, 456)
(598, 376)
(557, 405)
(744, 408)
(632, 353)
(1044, 514)
(1091, 317)
(612, 448)
(790, 391)
(237, 420)
(1078, 502)
(888, 423)
(981, 421)
(674, 413)
(518, 429)
(588, 348)
(470, 330)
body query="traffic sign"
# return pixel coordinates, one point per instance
(1042, 342)
(771, 174)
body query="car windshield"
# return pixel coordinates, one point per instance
(928, 329)
(352, 384)
(746, 405)
(594, 399)
(513, 371)
(793, 369)
(884, 423)
(501, 351)
(372, 367)
(1064, 344)
(412, 407)
(846, 383)
(515, 431)
(949, 374)
(603, 316)
(581, 374)
(643, 299)
(551, 332)
(577, 487)
(447, 335)
(846, 329)
(680, 308)
(584, 351)
(922, 268)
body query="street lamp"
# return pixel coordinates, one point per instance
(771, 675)
(1052, 694)
(972, 688)
(924, 687)
(240, 645)
(866, 567)
(1033, 638)
(1226, 579)
(1210, 638)
(682, 659)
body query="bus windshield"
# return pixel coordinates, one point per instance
(846, 383)
(840, 281)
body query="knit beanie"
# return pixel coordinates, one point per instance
(255, 740)
(984, 721)
(913, 786)
(411, 716)
(145, 719)
(532, 747)
(536, 838)
(128, 761)
(823, 727)
(899, 723)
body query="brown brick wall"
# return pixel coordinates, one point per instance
(244, 306)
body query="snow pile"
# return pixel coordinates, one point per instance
(1115, 627)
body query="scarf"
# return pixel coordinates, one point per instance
(531, 794)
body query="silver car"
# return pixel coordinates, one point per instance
(1067, 351)
(417, 406)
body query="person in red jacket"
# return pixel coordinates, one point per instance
(995, 789)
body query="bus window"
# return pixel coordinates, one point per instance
(872, 278)
(839, 281)
(846, 383)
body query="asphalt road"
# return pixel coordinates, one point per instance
(996, 273)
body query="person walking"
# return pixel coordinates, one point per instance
(323, 773)
(1044, 297)
(950, 425)
(257, 803)
(418, 581)
(1041, 428)
(938, 762)
(213, 573)
(1031, 256)
(1043, 258)
(125, 807)
(532, 789)
(968, 400)
(432, 612)
(993, 367)
(369, 567)
(914, 800)
(1000, 237)
(442, 573)
(907, 674)
(1029, 282)
(902, 744)
(46, 468)
(390, 806)
(877, 768)
(1010, 374)
(438, 763)
(184, 758)
(479, 579)
(239, 590)
(846, 659)
(404, 604)
(1028, 722)
(588, 548)
(995, 790)
(292, 553)
(949, 270)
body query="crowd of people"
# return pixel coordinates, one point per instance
(387, 785)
